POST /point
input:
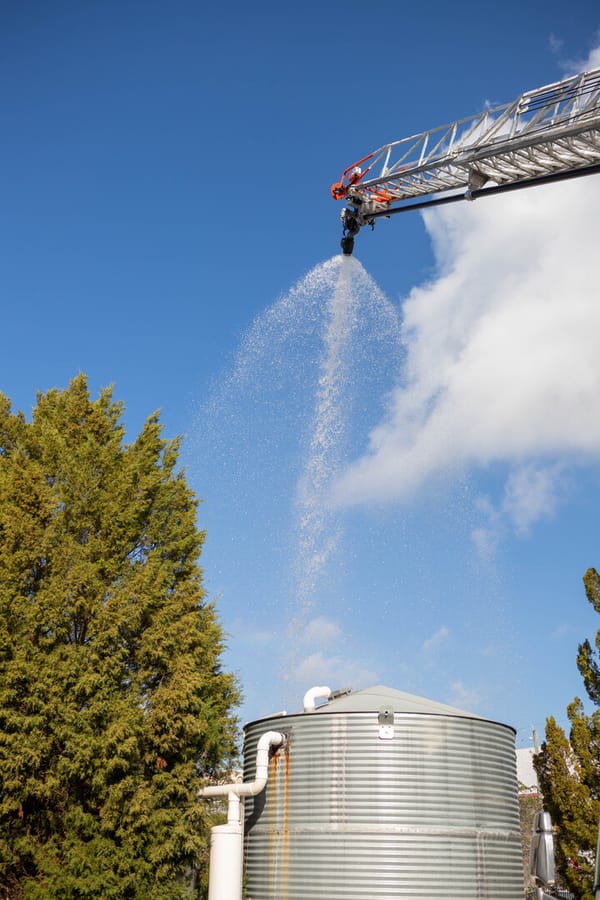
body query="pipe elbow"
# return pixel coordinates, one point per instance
(251, 788)
(269, 739)
(265, 742)
(313, 694)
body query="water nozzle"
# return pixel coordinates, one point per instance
(347, 245)
(350, 229)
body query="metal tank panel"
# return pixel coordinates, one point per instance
(360, 804)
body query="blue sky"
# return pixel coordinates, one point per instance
(165, 175)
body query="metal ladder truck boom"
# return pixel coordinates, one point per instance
(545, 135)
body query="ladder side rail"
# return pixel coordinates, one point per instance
(546, 135)
(587, 85)
(572, 125)
(433, 180)
(401, 162)
(417, 149)
(565, 108)
(446, 140)
(415, 139)
(410, 146)
(551, 161)
(583, 93)
(547, 158)
(544, 131)
(509, 165)
(570, 86)
(478, 153)
(427, 180)
(424, 155)
(564, 153)
(521, 124)
(438, 180)
(566, 150)
(475, 134)
(508, 174)
(448, 146)
(425, 159)
(533, 140)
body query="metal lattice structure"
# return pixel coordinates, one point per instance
(545, 134)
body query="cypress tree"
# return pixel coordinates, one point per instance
(113, 703)
(569, 771)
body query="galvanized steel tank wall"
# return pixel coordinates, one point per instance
(429, 812)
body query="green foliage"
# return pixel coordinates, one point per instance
(113, 704)
(569, 771)
(587, 659)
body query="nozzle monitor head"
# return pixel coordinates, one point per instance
(347, 245)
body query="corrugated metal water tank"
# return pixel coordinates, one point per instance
(382, 794)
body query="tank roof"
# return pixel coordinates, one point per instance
(373, 698)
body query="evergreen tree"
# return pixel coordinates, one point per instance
(113, 704)
(569, 771)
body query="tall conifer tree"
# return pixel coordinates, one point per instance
(569, 771)
(113, 703)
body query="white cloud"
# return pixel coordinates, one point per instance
(531, 493)
(555, 43)
(336, 671)
(245, 632)
(317, 662)
(502, 354)
(432, 644)
(583, 65)
(321, 631)
(563, 630)
(463, 697)
(491, 650)
(593, 60)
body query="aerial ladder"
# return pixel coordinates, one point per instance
(545, 135)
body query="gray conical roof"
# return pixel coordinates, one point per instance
(373, 698)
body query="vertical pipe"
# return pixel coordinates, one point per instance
(226, 856)
(227, 841)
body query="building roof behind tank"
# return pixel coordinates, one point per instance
(373, 698)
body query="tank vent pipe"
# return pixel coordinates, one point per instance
(314, 694)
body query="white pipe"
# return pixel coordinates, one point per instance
(251, 788)
(226, 862)
(315, 693)
(227, 841)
